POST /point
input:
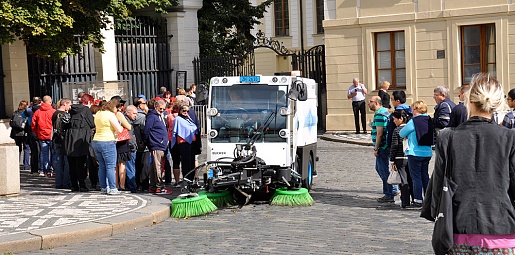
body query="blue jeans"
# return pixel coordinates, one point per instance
(418, 168)
(130, 172)
(44, 155)
(382, 164)
(106, 156)
(61, 167)
(23, 146)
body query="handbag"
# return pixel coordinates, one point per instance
(443, 239)
(394, 177)
(123, 136)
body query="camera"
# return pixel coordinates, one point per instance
(355, 90)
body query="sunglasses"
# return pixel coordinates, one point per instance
(184, 110)
(161, 109)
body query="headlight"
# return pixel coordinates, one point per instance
(284, 133)
(213, 134)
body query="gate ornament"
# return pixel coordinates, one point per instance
(278, 47)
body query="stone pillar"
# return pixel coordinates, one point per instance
(105, 63)
(16, 81)
(9, 170)
(183, 25)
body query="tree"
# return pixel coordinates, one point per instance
(55, 28)
(224, 26)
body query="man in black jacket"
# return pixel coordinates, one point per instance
(459, 114)
(443, 108)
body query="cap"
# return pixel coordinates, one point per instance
(142, 96)
(119, 98)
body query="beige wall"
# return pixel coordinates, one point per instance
(428, 26)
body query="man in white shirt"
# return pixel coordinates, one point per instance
(357, 93)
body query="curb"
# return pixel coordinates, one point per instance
(156, 211)
(331, 137)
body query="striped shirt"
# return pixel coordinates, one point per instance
(380, 120)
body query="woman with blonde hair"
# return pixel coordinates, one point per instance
(383, 94)
(104, 145)
(482, 164)
(419, 131)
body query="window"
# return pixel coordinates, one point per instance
(282, 23)
(320, 16)
(477, 50)
(390, 59)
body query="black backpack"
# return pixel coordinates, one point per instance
(61, 125)
(17, 121)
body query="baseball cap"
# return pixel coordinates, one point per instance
(119, 98)
(142, 96)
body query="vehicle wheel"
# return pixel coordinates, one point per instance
(308, 181)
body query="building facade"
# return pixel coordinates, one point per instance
(416, 45)
(296, 24)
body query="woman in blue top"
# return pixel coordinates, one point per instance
(419, 132)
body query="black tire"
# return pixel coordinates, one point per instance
(307, 181)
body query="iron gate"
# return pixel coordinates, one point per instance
(143, 55)
(46, 76)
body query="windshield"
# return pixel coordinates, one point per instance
(244, 110)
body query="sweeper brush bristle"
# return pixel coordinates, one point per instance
(292, 197)
(190, 205)
(222, 198)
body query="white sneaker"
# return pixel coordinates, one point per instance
(41, 174)
(103, 191)
(114, 192)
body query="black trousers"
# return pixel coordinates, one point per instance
(358, 107)
(34, 154)
(142, 170)
(401, 165)
(78, 171)
(187, 161)
(92, 171)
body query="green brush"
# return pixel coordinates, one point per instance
(292, 197)
(221, 198)
(190, 205)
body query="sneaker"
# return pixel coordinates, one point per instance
(152, 191)
(103, 191)
(163, 192)
(176, 185)
(113, 192)
(41, 174)
(385, 200)
(83, 189)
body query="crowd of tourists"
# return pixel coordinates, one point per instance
(471, 192)
(138, 147)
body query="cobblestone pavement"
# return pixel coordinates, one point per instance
(39, 206)
(345, 219)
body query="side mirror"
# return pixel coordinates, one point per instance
(298, 91)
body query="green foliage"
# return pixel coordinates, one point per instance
(224, 25)
(55, 28)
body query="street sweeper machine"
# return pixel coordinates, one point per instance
(261, 137)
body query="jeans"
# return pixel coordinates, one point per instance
(44, 155)
(418, 168)
(106, 156)
(61, 167)
(382, 164)
(23, 145)
(130, 172)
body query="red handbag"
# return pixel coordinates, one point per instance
(124, 135)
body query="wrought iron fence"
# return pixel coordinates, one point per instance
(201, 111)
(143, 55)
(207, 67)
(46, 76)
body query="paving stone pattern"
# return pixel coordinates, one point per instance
(345, 219)
(39, 206)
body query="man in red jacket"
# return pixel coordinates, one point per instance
(42, 127)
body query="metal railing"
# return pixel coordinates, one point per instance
(201, 111)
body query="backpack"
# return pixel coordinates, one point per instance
(61, 125)
(17, 121)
